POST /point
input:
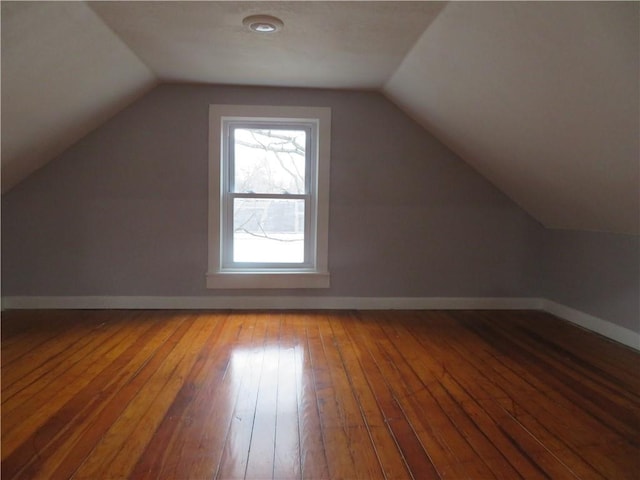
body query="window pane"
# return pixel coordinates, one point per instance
(268, 230)
(269, 160)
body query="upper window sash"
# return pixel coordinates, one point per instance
(230, 125)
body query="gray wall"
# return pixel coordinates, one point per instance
(597, 273)
(124, 211)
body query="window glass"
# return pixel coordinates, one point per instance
(268, 230)
(269, 160)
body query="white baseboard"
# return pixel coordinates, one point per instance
(603, 327)
(272, 302)
(595, 324)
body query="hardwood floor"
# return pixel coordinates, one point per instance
(336, 395)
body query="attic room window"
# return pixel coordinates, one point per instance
(268, 196)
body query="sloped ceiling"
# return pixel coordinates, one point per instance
(541, 98)
(63, 73)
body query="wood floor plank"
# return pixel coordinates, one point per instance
(122, 444)
(35, 350)
(414, 447)
(572, 366)
(581, 344)
(313, 458)
(501, 460)
(29, 329)
(40, 367)
(235, 454)
(613, 411)
(386, 449)
(60, 430)
(175, 444)
(522, 398)
(333, 421)
(361, 445)
(315, 395)
(442, 417)
(44, 398)
(488, 408)
(552, 423)
(263, 434)
(74, 444)
(286, 459)
(200, 435)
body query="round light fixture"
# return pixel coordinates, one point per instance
(263, 23)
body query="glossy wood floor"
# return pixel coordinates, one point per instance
(335, 395)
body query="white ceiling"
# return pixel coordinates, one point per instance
(323, 44)
(541, 98)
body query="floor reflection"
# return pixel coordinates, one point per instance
(264, 428)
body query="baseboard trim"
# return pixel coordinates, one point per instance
(602, 327)
(607, 329)
(271, 302)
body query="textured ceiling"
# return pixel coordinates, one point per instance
(323, 44)
(540, 97)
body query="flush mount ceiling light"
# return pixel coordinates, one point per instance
(263, 23)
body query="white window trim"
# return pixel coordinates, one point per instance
(316, 276)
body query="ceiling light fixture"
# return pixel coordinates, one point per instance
(263, 23)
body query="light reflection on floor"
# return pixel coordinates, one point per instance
(266, 382)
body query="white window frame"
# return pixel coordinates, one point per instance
(222, 271)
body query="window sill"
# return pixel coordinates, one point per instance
(271, 279)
